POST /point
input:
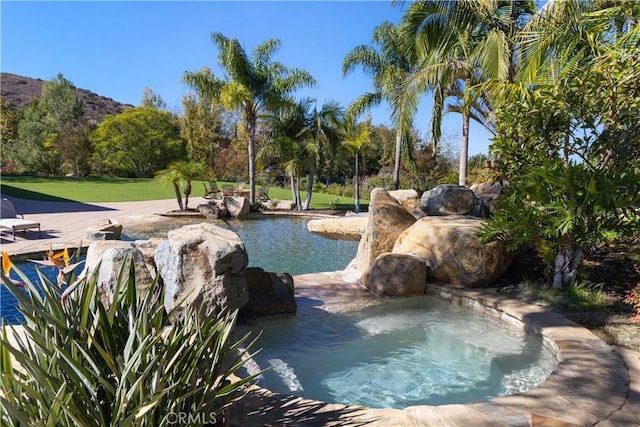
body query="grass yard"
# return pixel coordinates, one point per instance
(96, 190)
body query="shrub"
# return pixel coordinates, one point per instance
(130, 363)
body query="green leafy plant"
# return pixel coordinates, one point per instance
(273, 203)
(129, 363)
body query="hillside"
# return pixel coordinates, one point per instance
(20, 91)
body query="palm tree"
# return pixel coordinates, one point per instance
(255, 84)
(288, 142)
(389, 67)
(458, 46)
(357, 143)
(181, 172)
(324, 133)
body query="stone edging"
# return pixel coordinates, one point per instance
(590, 383)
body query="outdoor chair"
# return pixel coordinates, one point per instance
(211, 191)
(228, 190)
(263, 193)
(9, 220)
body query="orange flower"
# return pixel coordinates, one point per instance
(6, 263)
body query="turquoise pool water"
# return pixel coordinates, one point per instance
(280, 244)
(415, 351)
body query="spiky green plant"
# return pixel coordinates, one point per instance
(130, 363)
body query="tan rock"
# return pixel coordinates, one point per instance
(409, 199)
(237, 206)
(452, 250)
(397, 275)
(203, 265)
(387, 219)
(342, 228)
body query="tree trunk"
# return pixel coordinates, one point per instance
(252, 163)
(396, 166)
(187, 192)
(464, 148)
(176, 189)
(293, 188)
(357, 188)
(565, 267)
(312, 172)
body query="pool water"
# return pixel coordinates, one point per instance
(281, 244)
(416, 351)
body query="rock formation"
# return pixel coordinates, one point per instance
(397, 275)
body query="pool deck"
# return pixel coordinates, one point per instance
(594, 384)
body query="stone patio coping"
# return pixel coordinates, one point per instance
(590, 385)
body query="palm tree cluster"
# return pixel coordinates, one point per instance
(470, 56)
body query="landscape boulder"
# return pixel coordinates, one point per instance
(409, 199)
(104, 230)
(107, 259)
(488, 192)
(349, 227)
(453, 252)
(237, 206)
(269, 293)
(396, 275)
(204, 265)
(446, 199)
(213, 210)
(386, 220)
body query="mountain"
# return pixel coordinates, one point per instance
(20, 91)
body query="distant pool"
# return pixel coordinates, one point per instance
(280, 244)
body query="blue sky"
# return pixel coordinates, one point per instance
(116, 49)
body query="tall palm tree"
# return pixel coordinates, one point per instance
(254, 84)
(456, 47)
(388, 66)
(323, 133)
(357, 143)
(288, 144)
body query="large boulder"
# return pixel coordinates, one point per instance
(488, 192)
(204, 265)
(447, 199)
(453, 252)
(237, 206)
(215, 210)
(387, 219)
(349, 227)
(409, 199)
(107, 259)
(397, 275)
(269, 293)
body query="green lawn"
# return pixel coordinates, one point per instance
(97, 190)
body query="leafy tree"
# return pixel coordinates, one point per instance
(41, 123)
(201, 127)
(137, 142)
(389, 68)
(8, 122)
(571, 156)
(357, 143)
(152, 99)
(73, 145)
(255, 84)
(181, 172)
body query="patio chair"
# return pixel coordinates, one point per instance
(228, 190)
(211, 191)
(9, 220)
(263, 193)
